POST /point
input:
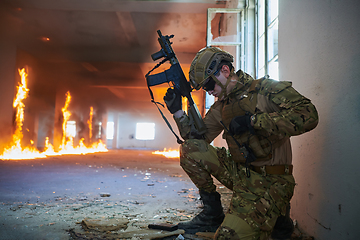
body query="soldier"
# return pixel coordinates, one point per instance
(258, 118)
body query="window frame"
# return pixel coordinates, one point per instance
(268, 24)
(239, 43)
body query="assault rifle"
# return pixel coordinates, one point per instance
(175, 76)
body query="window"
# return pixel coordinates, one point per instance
(224, 30)
(99, 132)
(71, 129)
(145, 131)
(110, 130)
(209, 100)
(267, 38)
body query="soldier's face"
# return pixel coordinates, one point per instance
(216, 91)
(222, 77)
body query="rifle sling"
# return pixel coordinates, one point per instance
(178, 140)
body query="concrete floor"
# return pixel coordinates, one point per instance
(44, 198)
(50, 198)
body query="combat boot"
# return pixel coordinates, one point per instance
(284, 226)
(209, 219)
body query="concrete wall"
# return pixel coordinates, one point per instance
(125, 130)
(319, 51)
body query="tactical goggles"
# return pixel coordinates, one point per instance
(209, 85)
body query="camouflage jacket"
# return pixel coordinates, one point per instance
(280, 112)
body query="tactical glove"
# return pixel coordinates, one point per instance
(241, 124)
(172, 100)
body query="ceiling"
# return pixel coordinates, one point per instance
(107, 39)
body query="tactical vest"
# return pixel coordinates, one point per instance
(261, 143)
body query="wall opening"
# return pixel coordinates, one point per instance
(71, 129)
(145, 131)
(110, 127)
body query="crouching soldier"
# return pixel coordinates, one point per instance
(258, 118)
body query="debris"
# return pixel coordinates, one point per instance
(105, 195)
(176, 175)
(150, 234)
(139, 234)
(163, 226)
(104, 225)
(16, 208)
(76, 207)
(180, 237)
(209, 235)
(184, 190)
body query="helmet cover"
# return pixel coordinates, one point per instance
(205, 64)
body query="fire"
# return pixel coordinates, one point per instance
(49, 149)
(17, 152)
(67, 146)
(19, 106)
(168, 153)
(66, 116)
(81, 148)
(90, 122)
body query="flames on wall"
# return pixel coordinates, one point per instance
(16, 151)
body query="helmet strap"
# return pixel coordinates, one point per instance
(223, 87)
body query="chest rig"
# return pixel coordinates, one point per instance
(240, 103)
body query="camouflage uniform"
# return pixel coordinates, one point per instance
(257, 201)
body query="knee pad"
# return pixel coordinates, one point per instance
(235, 228)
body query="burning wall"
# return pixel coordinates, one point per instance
(17, 148)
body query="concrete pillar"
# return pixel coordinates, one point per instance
(109, 118)
(58, 120)
(103, 120)
(116, 127)
(7, 90)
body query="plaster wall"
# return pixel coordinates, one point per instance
(319, 52)
(125, 130)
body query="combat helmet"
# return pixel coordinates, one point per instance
(205, 64)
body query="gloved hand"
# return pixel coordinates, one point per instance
(173, 99)
(241, 124)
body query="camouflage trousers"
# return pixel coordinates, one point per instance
(257, 200)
